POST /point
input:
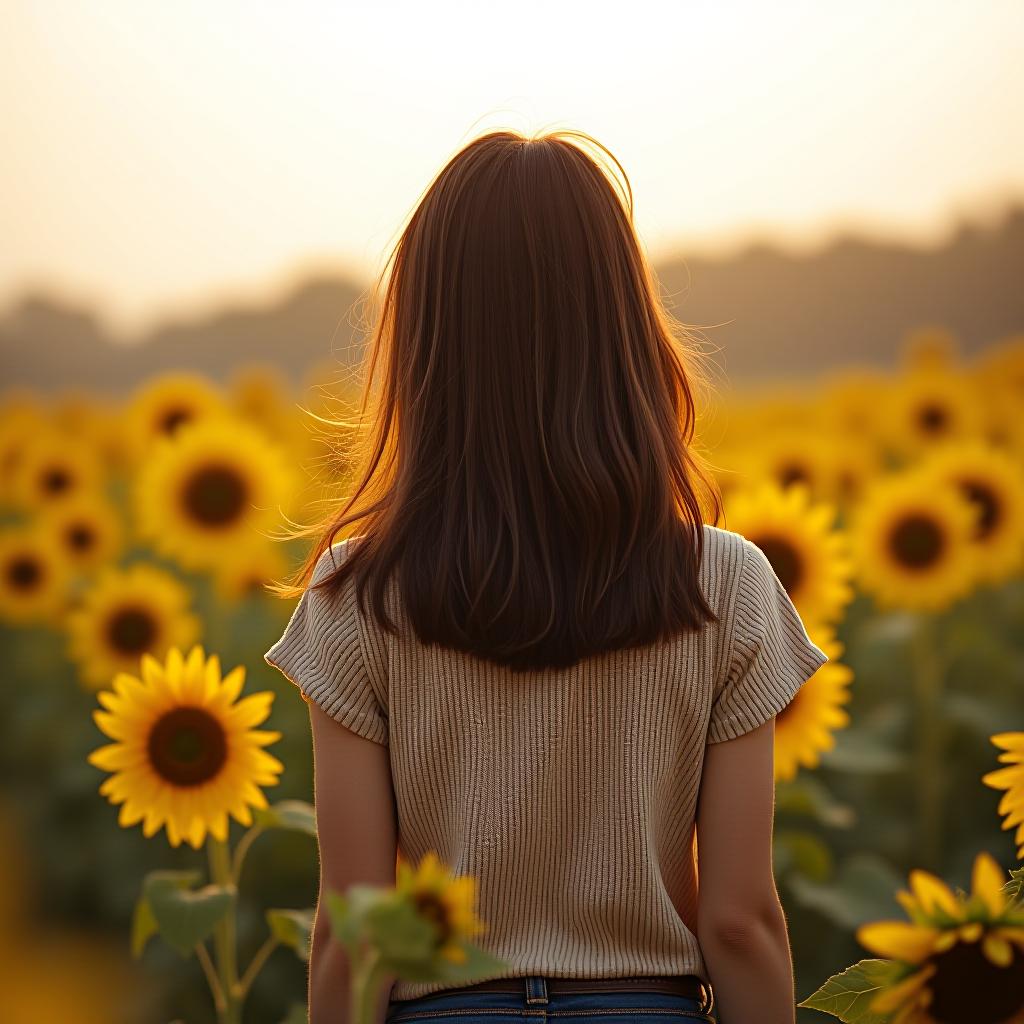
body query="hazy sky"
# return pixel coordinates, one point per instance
(157, 154)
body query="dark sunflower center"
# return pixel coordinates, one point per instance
(784, 559)
(793, 473)
(968, 986)
(173, 418)
(24, 573)
(933, 418)
(215, 495)
(132, 630)
(987, 504)
(187, 746)
(916, 541)
(56, 480)
(81, 536)
(428, 905)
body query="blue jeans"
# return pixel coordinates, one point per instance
(535, 1003)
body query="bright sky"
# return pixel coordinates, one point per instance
(156, 155)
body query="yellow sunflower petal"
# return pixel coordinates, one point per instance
(898, 940)
(114, 757)
(998, 950)
(891, 998)
(932, 893)
(987, 880)
(185, 760)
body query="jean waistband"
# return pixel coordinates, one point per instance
(537, 988)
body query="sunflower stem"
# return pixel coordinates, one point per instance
(366, 971)
(256, 964)
(224, 942)
(203, 956)
(242, 849)
(928, 686)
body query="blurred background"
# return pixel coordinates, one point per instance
(197, 199)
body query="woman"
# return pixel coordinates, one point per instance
(534, 654)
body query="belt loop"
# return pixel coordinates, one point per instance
(536, 989)
(707, 998)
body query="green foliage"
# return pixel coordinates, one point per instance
(805, 796)
(293, 815)
(848, 994)
(387, 921)
(297, 1014)
(181, 915)
(862, 890)
(1014, 887)
(802, 853)
(292, 928)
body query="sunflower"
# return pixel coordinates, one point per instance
(86, 529)
(33, 576)
(208, 494)
(54, 467)
(1011, 779)
(788, 456)
(848, 402)
(993, 482)
(187, 753)
(258, 391)
(911, 540)
(261, 396)
(445, 901)
(125, 614)
(20, 420)
(963, 956)
(806, 725)
(1002, 423)
(80, 415)
(931, 404)
(853, 463)
(797, 535)
(168, 402)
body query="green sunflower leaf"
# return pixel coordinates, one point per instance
(293, 815)
(860, 891)
(347, 912)
(1013, 888)
(292, 928)
(298, 1013)
(800, 852)
(144, 926)
(848, 994)
(401, 934)
(479, 964)
(144, 923)
(185, 917)
(807, 797)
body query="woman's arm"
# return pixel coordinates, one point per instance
(358, 833)
(740, 923)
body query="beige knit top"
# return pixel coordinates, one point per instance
(568, 793)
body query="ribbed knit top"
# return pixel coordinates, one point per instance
(569, 794)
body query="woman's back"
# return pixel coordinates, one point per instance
(569, 794)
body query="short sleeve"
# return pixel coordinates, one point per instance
(771, 658)
(323, 651)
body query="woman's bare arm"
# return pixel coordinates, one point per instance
(358, 834)
(740, 922)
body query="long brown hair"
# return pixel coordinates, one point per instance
(526, 467)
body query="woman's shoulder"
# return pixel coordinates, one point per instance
(724, 550)
(725, 559)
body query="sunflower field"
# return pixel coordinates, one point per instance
(148, 749)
